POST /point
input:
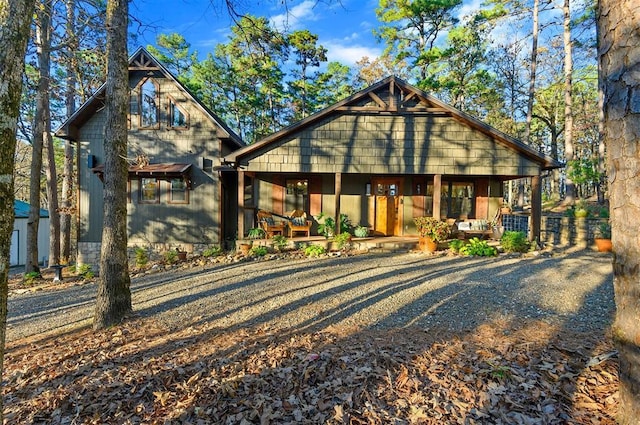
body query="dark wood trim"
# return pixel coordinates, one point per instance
(338, 194)
(240, 204)
(437, 189)
(536, 208)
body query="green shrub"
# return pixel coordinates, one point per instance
(513, 241)
(212, 251)
(478, 248)
(171, 256)
(142, 257)
(259, 251)
(30, 278)
(280, 242)
(342, 239)
(314, 251)
(455, 245)
(85, 271)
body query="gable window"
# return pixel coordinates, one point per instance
(149, 191)
(177, 117)
(178, 191)
(149, 105)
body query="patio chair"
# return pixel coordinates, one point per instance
(298, 223)
(269, 225)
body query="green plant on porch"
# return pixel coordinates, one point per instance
(478, 247)
(433, 228)
(327, 224)
(361, 231)
(256, 233)
(514, 241)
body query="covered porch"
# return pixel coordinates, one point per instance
(384, 156)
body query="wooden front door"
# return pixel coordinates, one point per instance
(387, 205)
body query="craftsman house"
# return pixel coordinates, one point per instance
(383, 156)
(175, 191)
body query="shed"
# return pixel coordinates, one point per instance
(18, 251)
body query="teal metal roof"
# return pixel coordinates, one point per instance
(21, 209)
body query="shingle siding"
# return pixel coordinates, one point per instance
(393, 144)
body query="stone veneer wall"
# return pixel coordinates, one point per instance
(89, 253)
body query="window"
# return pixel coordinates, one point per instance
(177, 118)
(297, 195)
(297, 187)
(457, 199)
(178, 191)
(149, 105)
(149, 191)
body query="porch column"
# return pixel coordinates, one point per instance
(437, 185)
(338, 192)
(240, 204)
(536, 208)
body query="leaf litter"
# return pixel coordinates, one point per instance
(141, 372)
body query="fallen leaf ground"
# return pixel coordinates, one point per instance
(501, 373)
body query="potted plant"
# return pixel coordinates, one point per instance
(182, 255)
(431, 231)
(327, 224)
(603, 237)
(361, 232)
(581, 210)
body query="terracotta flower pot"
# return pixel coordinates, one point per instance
(603, 245)
(426, 244)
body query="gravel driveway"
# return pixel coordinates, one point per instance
(387, 290)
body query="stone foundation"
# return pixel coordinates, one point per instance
(89, 253)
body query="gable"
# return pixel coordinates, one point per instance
(142, 64)
(392, 127)
(382, 144)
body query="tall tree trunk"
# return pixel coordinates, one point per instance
(618, 41)
(570, 193)
(70, 101)
(532, 89)
(42, 100)
(15, 20)
(602, 183)
(44, 62)
(114, 295)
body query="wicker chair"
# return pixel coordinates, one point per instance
(298, 223)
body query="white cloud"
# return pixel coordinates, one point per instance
(349, 54)
(294, 18)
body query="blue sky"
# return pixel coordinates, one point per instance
(344, 27)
